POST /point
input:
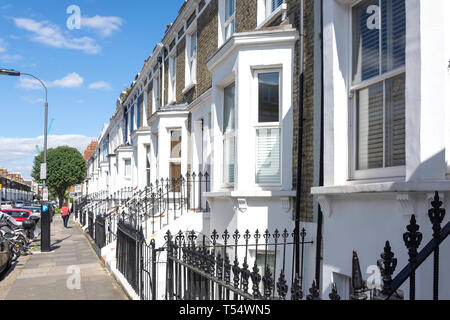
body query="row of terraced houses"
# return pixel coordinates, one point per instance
(232, 87)
(13, 187)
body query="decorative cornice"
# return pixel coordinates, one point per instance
(251, 38)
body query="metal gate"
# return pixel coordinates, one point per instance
(129, 253)
(100, 231)
(91, 224)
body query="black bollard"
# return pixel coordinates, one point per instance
(46, 218)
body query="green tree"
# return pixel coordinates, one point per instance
(65, 168)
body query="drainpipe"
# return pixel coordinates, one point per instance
(300, 144)
(321, 174)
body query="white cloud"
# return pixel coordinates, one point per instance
(105, 26)
(17, 154)
(49, 34)
(101, 85)
(73, 80)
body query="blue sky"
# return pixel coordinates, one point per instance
(85, 69)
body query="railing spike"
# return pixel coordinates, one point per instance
(357, 280)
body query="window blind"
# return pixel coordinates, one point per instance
(395, 122)
(276, 4)
(379, 29)
(229, 160)
(381, 125)
(370, 128)
(229, 8)
(268, 156)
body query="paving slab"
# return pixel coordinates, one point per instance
(72, 271)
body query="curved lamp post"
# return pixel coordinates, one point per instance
(14, 73)
(46, 219)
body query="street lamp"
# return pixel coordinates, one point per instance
(14, 73)
(46, 219)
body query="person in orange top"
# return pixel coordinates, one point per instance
(65, 214)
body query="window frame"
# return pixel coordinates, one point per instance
(229, 21)
(191, 60)
(172, 77)
(263, 17)
(156, 91)
(125, 160)
(268, 3)
(228, 135)
(175, 161)
(148, 164)
(268, 125)
(354, 88)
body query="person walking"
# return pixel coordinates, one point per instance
(65, 214)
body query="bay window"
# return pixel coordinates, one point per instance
(229, 135)
(378, 85)
(268, 129)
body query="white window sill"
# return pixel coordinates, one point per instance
(249, 194)
(384, 187)
(188, 87)
(379, 174)
(273, 16)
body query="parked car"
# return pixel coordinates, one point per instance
(5, 205)
(19, 204)
(19, 215)
(33, 209)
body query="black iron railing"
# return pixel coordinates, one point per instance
(128, 253)
(100, 231)
(91, 224)
(388, 263)
(221, 268)
(152, 208)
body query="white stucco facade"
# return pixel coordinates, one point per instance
(363, 211)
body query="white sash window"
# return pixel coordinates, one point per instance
(378, 79)
(229, 25)
(229, 136)
(268, 129)
(191, 61)
(172, 78)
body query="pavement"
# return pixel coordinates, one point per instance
(71, 271)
